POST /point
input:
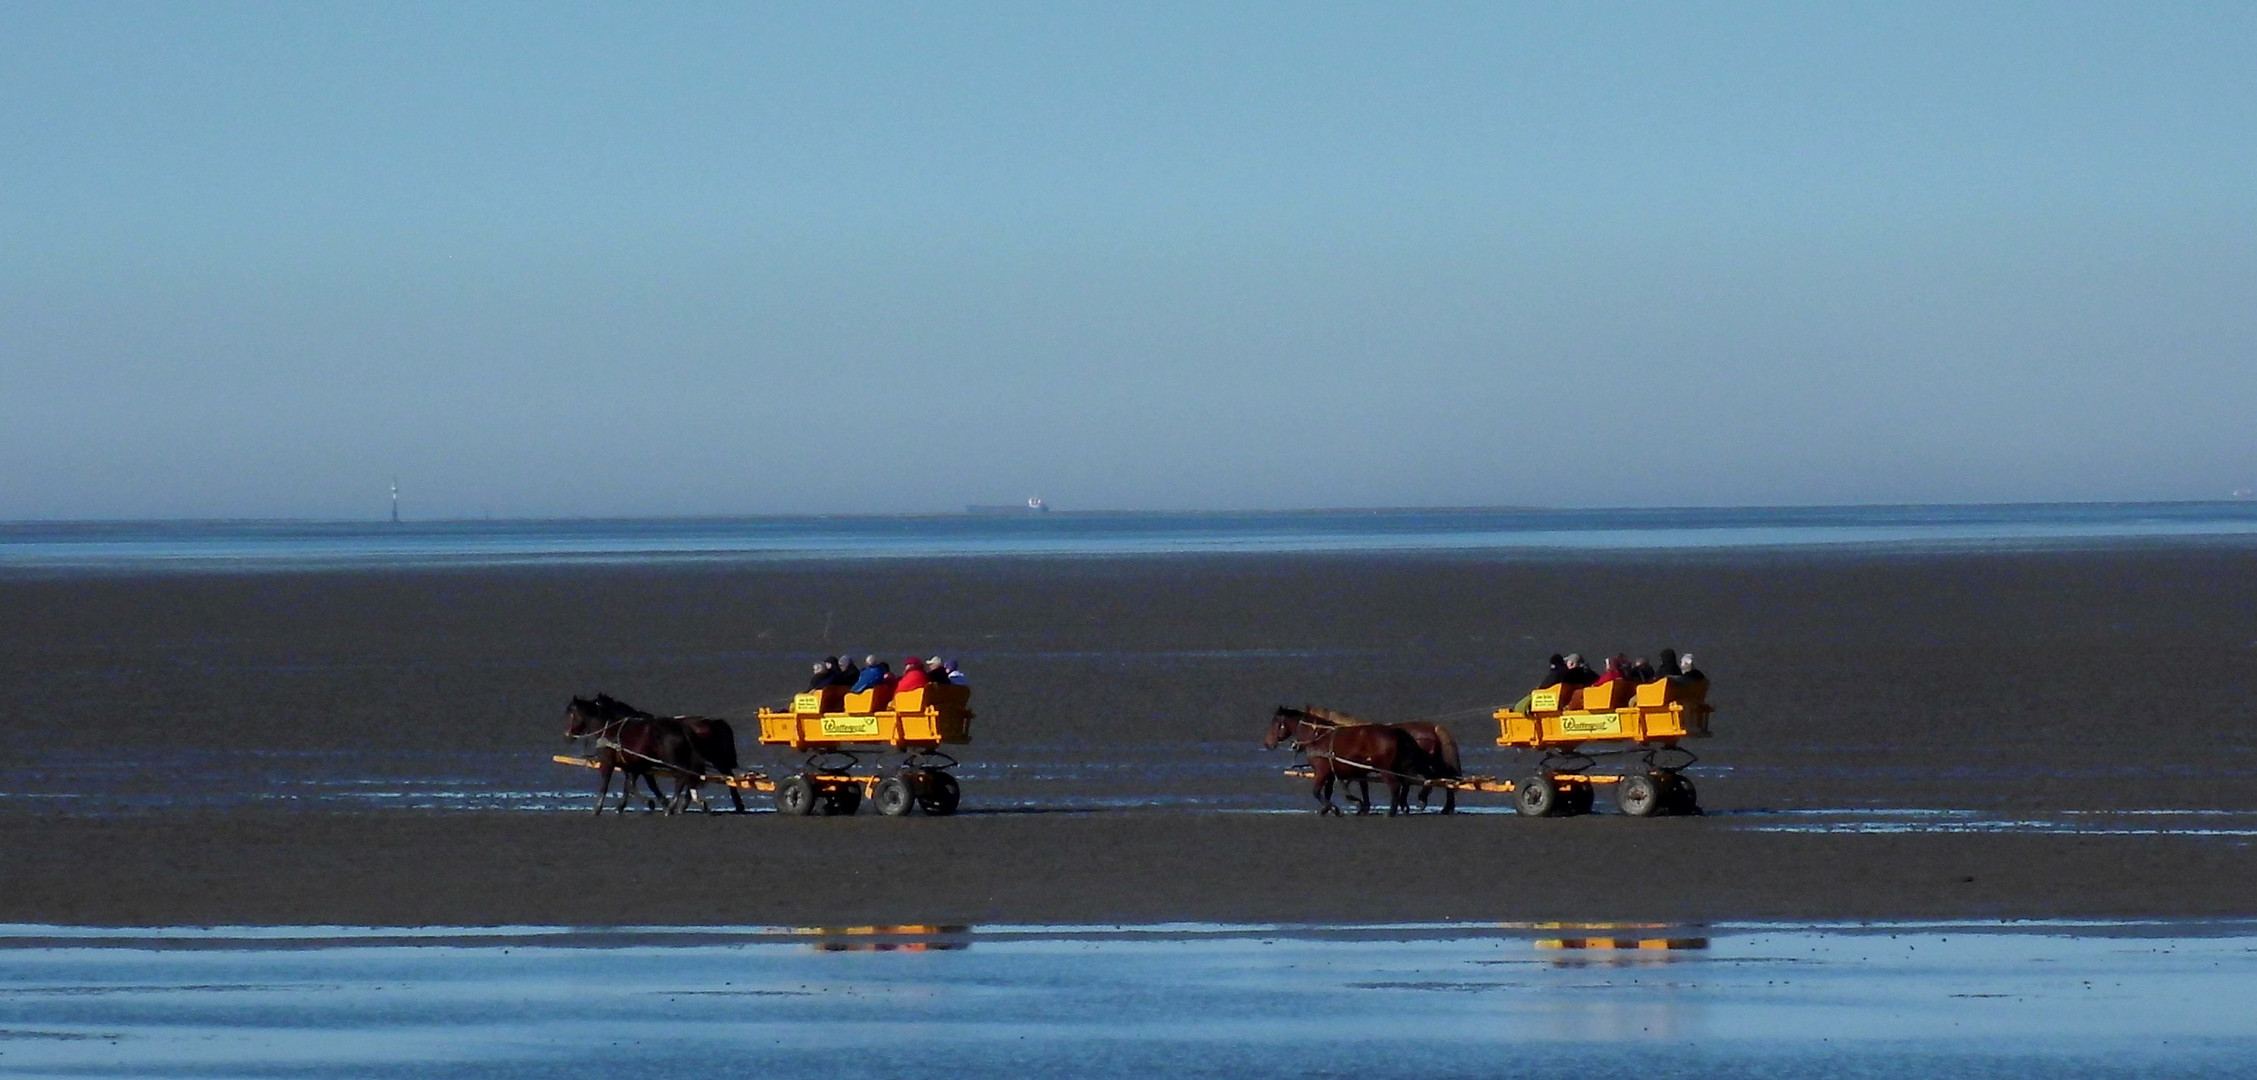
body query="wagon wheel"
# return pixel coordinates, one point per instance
(1642, 795)
(843, 801)
(1536, 795)
(939, 793)
(1576, 799)
(1682, 799)
(795, 796)
(894, 799)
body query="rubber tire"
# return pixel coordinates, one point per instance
(843, 801)
(1682, 798)
(795, 796)
(894, 799)
(939, 793)
(1536, 795)
(1642, 795)
(1576, 799)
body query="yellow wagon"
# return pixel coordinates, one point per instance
(836, 729)
(1578, 726)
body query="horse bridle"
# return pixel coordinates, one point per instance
(1324, 726)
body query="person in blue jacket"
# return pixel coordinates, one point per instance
(874, 671)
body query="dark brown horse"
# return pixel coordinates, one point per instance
(1434, 741)
(712, 738)
(1349, 752)
(639, 747)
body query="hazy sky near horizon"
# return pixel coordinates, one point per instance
(555, 259)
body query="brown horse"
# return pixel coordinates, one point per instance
(1350, 753)
(1434, 740)
(712, 738)
(637, 746)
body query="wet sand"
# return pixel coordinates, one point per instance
(2032, 683)
(1095, 868)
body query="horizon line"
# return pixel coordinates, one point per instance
(1091, 513)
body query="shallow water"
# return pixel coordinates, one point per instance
(289, 545)
(2024, 1000)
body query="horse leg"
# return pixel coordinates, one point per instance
(736, 796)
(603, 790)
(650, 802)
(1398, 795)
(1320, 785)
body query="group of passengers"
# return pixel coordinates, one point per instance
(1571, 672)
(875, 674)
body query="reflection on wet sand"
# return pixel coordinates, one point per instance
(903, 938)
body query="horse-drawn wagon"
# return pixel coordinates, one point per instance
(1615, 734)
(836, 729)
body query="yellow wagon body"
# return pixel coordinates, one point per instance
(920, 719)
(1565, 717)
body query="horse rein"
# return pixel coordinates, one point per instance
(602, 736)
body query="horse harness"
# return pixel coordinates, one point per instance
(604, 741)
(1330, 726)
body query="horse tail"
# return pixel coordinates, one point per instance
(1449, 747)
(718, 744)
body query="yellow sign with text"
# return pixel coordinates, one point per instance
(847, 727)
(1595, 724)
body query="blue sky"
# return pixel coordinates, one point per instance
(553, 259)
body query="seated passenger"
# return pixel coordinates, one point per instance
(848, 674)
(957, 678)
(1642, 671)
(1579, 674)
(1617, 668)
(913, 676)
(825, 671)
(1554, 675)
(874, 671)
(1667, 667)
(1686, 672)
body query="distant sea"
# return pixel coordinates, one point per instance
(235, 545)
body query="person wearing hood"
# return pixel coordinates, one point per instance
(913, 676)
(1555, 673)
(956, 677)
(1666, 667)
(1618, 667)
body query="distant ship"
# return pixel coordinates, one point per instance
(1033, 505)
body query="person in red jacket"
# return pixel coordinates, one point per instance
(1617, 668)
(913, 676)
